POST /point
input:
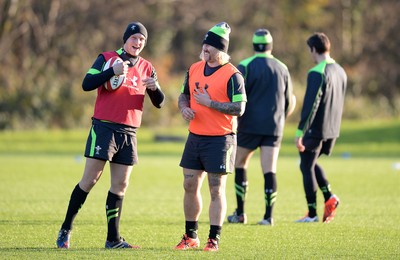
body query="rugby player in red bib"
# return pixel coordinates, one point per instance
(112, 137)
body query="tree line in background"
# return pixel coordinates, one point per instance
(47, 46)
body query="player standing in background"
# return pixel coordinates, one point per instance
(212, 96)
(319, 125)
(112, 137)
(270, 101)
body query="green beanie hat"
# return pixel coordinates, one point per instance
(261, 38)
(218, 37)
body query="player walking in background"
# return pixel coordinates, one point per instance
(270, 101)
(319, 125)
(112, 137)
(212, 96)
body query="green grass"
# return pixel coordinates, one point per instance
(39, 170)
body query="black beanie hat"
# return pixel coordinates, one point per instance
(218, 37)
(134, 27)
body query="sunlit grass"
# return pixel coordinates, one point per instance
(39, 170)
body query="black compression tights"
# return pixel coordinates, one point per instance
(313, 175)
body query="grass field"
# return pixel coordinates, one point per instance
(39, 170)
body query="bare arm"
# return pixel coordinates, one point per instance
(230, 108)
(234, 109)
(184, 107)
(183, 101)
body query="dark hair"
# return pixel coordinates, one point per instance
(320, 42)
(262, 47)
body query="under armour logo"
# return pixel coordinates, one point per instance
(98, 148)
(134, 81)
(222, 166)
(133, 27)
(198, 85)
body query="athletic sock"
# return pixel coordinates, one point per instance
(78, 197)
(215, 232)
(191, 228)
(113, 213)
(326, 191)
(312, 207)
(241, 186)
(270, 191)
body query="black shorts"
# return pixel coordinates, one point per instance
(253, 141)
(213, 154)
(112, 142)
(320, 146)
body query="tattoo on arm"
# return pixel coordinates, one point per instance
(228, 108)
(183, 101)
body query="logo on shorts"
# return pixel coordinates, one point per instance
(222, 166)
(98, 148)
